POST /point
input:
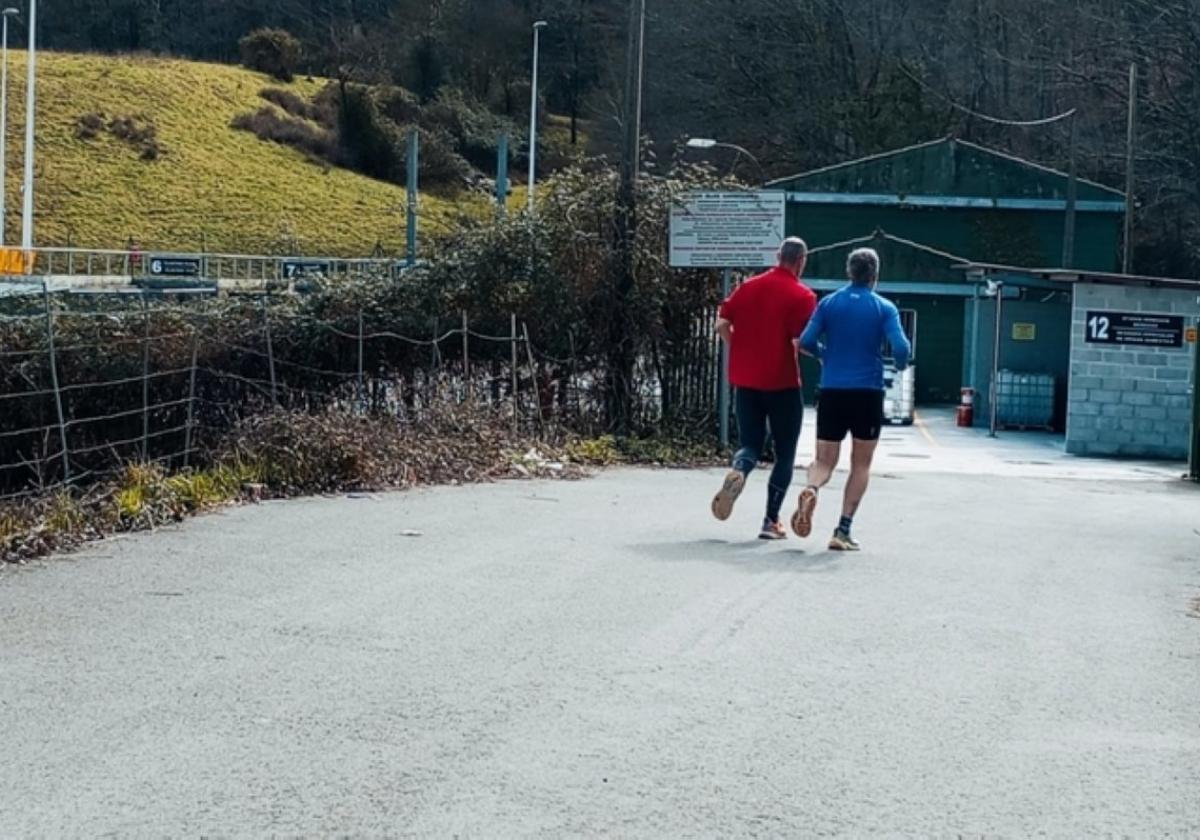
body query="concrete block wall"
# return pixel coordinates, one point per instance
(1127, 400)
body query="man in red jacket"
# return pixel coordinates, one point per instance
(760, 322)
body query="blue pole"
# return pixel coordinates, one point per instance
(502, 173)
(414, 142)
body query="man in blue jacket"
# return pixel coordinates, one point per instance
(847, 334)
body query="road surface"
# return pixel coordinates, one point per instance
(1017, 652)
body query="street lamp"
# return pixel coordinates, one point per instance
(709, 143)
(27, 214)
(538, 26)
(7, 13)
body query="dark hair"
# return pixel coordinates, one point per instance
(862, 267)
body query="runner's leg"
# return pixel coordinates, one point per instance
(786, 415)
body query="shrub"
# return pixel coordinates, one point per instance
(323, 113)
(272, 51)
(368, 143)
(89, 126)
(269, 124)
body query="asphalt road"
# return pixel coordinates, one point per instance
(1011, 656)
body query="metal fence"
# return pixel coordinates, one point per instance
(129, 265)
(89, 382)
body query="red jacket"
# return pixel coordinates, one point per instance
(768, 313)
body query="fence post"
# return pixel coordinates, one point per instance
(516, 380)
(191, 412)
(62, 422)
(270, 352)
(145, 379)
(537, 394)
(362, 389)
(466, 342)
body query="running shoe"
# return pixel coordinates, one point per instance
(772, 529)
(722, 503)
(802, 519)
(841, 541)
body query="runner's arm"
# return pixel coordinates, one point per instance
(901, 349)
(810, 340)
(725, 330)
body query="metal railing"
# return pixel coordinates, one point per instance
(115, 265)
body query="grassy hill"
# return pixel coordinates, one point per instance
(212, 187)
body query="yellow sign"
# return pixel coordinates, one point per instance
(1024, 332)
(1189, 335)
(14, 261)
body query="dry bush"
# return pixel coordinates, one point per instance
(268, 124)
(322, 112)
(89, 126)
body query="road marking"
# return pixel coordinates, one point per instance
(924, 429)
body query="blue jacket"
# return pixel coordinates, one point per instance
(847, 333)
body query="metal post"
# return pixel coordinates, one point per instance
(191, 412)
(723, 383)
(537, 395)
(30, 113)
(502, 174)
(516, 379)
(62, 421)
(994, 390)
(362, 389)
(1068, 259)
(145, 379)
(4, 133)
(414, 145)
(1194, 471)
(533, 111)
(270, 352)
(1130, 144)
(466, 347)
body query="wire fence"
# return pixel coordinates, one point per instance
(89, 383)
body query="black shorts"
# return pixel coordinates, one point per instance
(858, 412)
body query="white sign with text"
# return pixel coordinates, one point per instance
(727, 229)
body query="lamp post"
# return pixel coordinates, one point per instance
(27, 214)
(8, 13)
(538, 26)
(708, 143)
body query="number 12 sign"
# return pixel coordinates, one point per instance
(1143, 329)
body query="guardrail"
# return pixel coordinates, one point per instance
(114, 265)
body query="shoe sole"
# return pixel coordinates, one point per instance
(772, 537)
(722, 503)
(838, 545)
(802, 519)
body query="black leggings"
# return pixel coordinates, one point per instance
(783, 411)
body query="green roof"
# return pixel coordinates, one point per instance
(947, 168)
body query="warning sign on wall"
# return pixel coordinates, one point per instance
(1024, 332)
(1138, 328)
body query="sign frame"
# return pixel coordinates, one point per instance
(1135, 329)
(727, 229)
(172, 265)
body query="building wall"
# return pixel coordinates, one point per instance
(1029, 238)
(1127, 400)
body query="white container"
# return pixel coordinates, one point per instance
(899, 398)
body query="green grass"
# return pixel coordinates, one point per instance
(215, 188)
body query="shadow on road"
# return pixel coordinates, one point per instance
(750, 555)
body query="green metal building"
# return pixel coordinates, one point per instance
(931, 209)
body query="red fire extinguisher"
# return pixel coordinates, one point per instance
(966, 408)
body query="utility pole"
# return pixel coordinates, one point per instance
(621, 368)
(30, 113)
(533, 111)
(1068, 259)
(1130, 143)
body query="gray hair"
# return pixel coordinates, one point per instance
(862, 267)
(792, 250)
